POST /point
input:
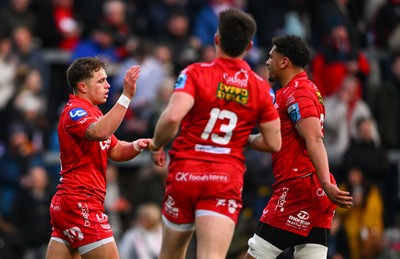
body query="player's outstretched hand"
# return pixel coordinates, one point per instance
(338, 197)
(130, 79)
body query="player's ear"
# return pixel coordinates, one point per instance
(284, 62)
(217, 38)
(82, 87)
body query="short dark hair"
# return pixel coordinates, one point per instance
(294, 48)
(83, 68)
(236, 29)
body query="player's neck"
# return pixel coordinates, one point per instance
(83, 96)
(220, 54)
(289, 75)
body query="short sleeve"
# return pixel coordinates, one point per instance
(301, 104)
(269, 112)
(186, 81)
(77, 120)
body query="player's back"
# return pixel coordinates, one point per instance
(230, 99)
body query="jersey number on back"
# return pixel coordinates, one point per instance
(216, 114)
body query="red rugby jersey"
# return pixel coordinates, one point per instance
(298, 100)
(230, 99)
(83, 162)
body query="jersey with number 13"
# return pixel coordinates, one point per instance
(230, 100)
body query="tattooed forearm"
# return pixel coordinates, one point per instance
(88, 135)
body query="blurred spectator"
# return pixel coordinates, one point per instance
(357, 108)
(115, 204)
(357, 13)
(16, 160)
(363, 222)
(115, 16)
(160, 101)
(18, 14)
(11, 243)
(152, 15)
(28, 105)
(386, 26)
(67, 24)
(146, 185)
(177, 36)
(164, 55)
(206, 21)
(384, 100)
(270, 17)
(371, 8)
(323, 14)
(99, 43)
(363, 153)
(336, 58)
(337, 127)
(31, 214)
(294, 24)
(338, 246)
(391, 242)
(343, 110)
(89, 13)
(152, 73)
(8, 70)
(27, 53)
(143, 239)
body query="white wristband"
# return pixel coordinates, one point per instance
(136, 146)
(124, 101)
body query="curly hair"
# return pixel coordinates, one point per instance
(294, 48)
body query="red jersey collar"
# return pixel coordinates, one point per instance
(300, 76)
(74, 97)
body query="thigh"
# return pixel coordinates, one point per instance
(59, 250)
(174, 242)
(214, 235)
(106, 251)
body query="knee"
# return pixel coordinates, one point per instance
(260, 248)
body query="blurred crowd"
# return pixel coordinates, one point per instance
(355, 63)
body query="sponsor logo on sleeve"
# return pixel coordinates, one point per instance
(273, 96)
(294, 112)
(77, 113)
(181, 81)
(320, 99)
